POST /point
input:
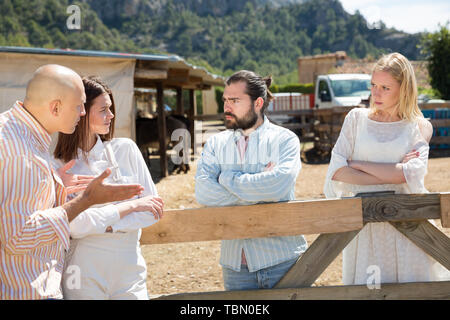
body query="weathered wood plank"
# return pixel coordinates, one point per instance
(336, 128)
(292, 126)
(400, 207)
(295, 217)
(195, 80)
(255, 221)
(191, 113)
(445, 209)
(301, 112)
(440, 140)
(427, 237)
(161, 128)
(209, 117)
(437, 123)
(322, 112)
(150, 74)
(180, 107)
(313, 262)
(181, 75)
(440, 105)
(402, 291)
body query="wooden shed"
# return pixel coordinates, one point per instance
(309, 67)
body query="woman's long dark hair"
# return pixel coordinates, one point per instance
(68, 144)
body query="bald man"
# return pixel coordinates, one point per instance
(34, 217)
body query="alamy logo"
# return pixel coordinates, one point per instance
(181, 148)
(73, 22)
(73, 281)
(374, 277)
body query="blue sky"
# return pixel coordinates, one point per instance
(406, 15)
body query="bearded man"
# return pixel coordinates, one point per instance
(253, 162)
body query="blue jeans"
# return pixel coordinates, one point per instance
(261, 279)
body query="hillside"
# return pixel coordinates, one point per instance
(234, 35)
(111, 11)
(263, 35)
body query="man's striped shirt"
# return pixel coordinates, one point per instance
(224, 179)
(34, 231)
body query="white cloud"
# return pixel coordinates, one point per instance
(406, 15)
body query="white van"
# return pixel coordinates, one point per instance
(346, 90)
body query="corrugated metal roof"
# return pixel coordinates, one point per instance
(91, 53)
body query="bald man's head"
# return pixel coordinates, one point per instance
(55, 96)
(51, 82)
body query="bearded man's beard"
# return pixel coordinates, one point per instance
(244, 123)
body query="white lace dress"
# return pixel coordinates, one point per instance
(380, 244)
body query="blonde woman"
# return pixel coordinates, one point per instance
(380, 148)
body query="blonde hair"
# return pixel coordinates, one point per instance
(401, 70)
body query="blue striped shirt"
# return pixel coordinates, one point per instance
(223, 179)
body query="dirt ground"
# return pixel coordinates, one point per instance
(194, 267)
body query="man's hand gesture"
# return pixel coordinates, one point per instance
(98, 192)
(73, 182)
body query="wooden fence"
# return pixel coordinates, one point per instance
(337, 221)
(322, 126)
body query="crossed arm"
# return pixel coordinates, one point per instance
(371, 173)
(208, 190)
(215, 187)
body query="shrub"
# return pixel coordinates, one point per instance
(436, 46)
(304, 88)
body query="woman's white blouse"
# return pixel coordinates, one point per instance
(133, 169)
(364, 139)
(380, 244)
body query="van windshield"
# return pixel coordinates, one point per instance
(351, 87)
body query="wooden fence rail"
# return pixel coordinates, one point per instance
(402, 291)
(337, 221)
(322, 126)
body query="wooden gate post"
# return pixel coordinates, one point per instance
(316, 259)
(161, 128)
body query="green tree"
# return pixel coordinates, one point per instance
(38, 35)
(18, 40)
(2, 40)
(436, 46)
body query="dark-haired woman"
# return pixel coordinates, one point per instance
(105, 253)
